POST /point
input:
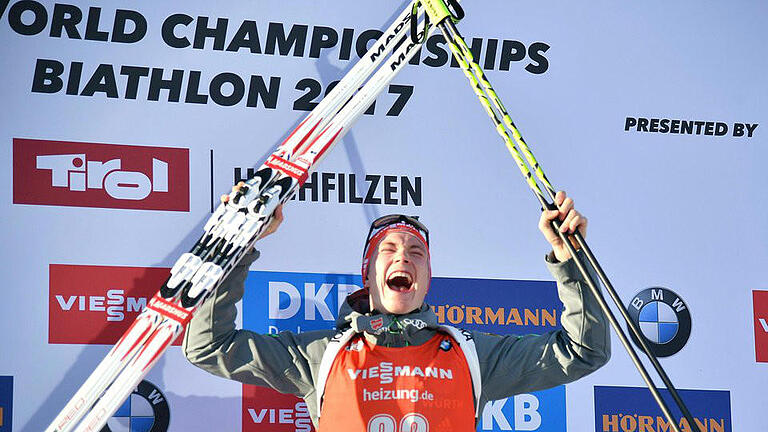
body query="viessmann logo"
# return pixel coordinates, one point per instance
(265, 410)
(97, 304)
(386, 371)
(760, 305)
(100, 175)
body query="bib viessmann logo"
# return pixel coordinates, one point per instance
(100, 175)
(386, 371)
(97, 304)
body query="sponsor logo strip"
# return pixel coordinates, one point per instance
(310, 301)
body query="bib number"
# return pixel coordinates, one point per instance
(412, 422)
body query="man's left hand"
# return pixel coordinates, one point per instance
(571, 220)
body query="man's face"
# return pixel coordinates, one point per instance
(399, 274)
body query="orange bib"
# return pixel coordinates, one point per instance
(410, 389)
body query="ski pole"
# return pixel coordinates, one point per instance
(481, 86)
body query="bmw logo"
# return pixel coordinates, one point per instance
(145, 410)
(663, 318)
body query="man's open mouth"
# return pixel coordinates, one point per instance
(400, 281)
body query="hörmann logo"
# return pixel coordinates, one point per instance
(96, 304)
(633, 409)
(532, 306)
(760, 304)
(503, 316)
(265, 410)
(100, 175)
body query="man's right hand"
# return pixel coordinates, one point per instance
(277, 216)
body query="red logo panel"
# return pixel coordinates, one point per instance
(100, 175)
(760, 302)
(97, 304)
(265, 410)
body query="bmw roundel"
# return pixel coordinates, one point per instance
(145, 410)
(663, 318)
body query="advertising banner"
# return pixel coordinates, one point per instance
(125, 122)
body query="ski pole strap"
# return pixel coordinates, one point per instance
(439, 10)
(415, 26)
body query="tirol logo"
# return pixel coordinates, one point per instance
(97, 304)
(542, 411)
(633, 409)
(6, 403)
(760, 304)
(265, 410)
(100, 175)
(145, 410)
(663, 318)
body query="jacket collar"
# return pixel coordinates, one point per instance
(414, 328)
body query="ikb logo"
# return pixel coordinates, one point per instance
(100, 175)
(96, 304)
(542, 411)
(295, 301)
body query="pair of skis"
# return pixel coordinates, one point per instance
(445, 14)
(235, 226)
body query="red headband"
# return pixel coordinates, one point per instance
(397, 227)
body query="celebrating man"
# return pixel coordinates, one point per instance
(388, 351)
